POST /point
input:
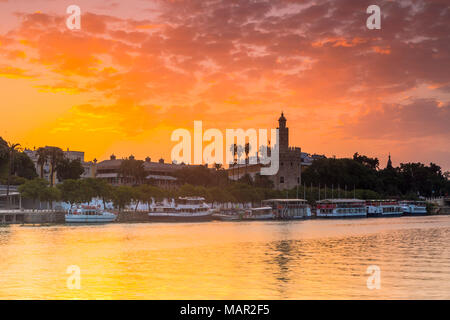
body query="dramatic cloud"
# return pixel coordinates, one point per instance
(145, 66)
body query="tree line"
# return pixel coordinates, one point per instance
(408, 180)
(358, 177)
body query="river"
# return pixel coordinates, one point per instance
(312, 259)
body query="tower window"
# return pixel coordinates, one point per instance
(281, 179)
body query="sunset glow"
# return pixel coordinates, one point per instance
(137, 70)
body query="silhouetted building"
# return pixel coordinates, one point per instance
(290, 167)
(389, 163)
(158, 173)
(290, 162)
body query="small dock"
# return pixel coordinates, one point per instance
(442, 205)
(11, 217)
(30, 217)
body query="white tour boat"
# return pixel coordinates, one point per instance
(228, 215)
(184, 209)
(263, 213)
(412, 208)
(89, 214)
(383, 208)
(341, 208)
(289, 208)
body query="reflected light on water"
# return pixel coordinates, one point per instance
(315, 259)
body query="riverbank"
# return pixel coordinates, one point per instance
(58, 217)
(31, 217)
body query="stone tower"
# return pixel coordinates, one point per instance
(289, 172)
(283, 133)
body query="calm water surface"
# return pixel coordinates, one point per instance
(317, 259)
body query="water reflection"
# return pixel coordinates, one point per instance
(260, 260)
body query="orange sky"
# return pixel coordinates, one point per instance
(138, 69)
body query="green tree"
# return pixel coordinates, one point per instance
(42, 154)
(234, 151)
(342, 172)
(247, 149)
(11, 150)
(201, 175)
(122, 196)
(24, 166)
(34, 189)
(72, 192)
(247, 179)
(100, 188)
(219, 195)
(422, 180)
(372, 163)
(146, 194)
(50, 194)
(69, 169)
(55, 156)
(133, 170)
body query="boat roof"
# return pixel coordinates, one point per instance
(285, 200)
(414, 201)
(191, 198)
(340, 201)
(261, 208)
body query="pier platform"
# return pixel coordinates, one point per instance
(31, 217)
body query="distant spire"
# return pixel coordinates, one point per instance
(282, 121)
(389, 163)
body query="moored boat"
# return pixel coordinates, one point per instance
(89, 214)
(227, 217)
(287, 209)
(262, 213)
(228, 214)
(341, 208)
(383, 208)
(413, 208)
(184, 209)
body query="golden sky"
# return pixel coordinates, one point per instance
(139, 69)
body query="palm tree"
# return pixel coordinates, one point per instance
(42, 160)
(234, 150)
(55, 156)
(218, 166)
(240, 151)
(247, 149)
(11, 148)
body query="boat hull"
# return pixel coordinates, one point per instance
(343, 216)
(259, 218)
(414, 211)
(226, 217)
(179, 218)
(294, 218)
(384, 215)
(415, 214)
(70, 218)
